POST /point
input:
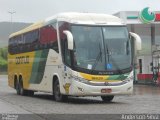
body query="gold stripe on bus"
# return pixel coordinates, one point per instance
(97, 78)
(30, 28)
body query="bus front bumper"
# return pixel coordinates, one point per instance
(81, 89)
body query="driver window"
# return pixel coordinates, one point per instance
(66, 52)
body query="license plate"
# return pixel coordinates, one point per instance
(106, 90)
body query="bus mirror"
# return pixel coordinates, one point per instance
(69, 39)
(138, 42)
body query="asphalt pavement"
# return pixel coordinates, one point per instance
(144, 100)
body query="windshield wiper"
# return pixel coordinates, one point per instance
(108, 54)
(99, 56)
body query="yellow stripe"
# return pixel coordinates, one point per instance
(97, 78)
(29, 28)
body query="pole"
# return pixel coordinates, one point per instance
(152, 43)
(11, 25)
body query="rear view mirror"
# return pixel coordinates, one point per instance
(69, 39)
(137, 42)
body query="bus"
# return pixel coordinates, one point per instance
(73, 54)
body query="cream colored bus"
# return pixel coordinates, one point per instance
(73, 54)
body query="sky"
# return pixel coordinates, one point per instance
(34, 10)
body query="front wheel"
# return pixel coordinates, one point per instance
(57, 94)
(107, 98)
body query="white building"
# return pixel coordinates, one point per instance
(150, 35)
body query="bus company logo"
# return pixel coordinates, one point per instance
(149, 17)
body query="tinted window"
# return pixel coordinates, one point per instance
(43, 38)
(48, 37)
(30, 40)
(66, 55)
(14, 44)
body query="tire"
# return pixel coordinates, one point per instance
(17, 88)
(107, 98)
(30, 93)
(21, 89)
(57, 94)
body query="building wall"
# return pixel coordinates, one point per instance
(157, 34)
(146, 68)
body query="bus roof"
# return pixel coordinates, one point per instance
(86, 18)
(76, 18)
(27, 29)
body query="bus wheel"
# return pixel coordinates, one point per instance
(21, 89)
(17, 88)
(30, 93)
(107, 98)
(57, 94)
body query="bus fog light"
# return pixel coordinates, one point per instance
(80, 89)
(129, 79)
(79, 79)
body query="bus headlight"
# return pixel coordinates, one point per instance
(129, 79)
(79, 79)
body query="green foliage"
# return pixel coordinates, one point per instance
(3, 59)
(4, 53)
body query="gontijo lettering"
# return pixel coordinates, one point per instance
(22, 60)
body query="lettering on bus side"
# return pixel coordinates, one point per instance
(22, 60)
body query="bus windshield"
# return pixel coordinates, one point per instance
(101, 48)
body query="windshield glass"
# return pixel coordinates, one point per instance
(99, 48)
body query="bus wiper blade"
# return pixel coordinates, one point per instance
(108, 54)
(99, 56)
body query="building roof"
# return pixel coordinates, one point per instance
(131, 17)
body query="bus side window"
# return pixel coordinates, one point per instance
(15, 45)
(10, 47)
(30, 41)
(66, 52)
(48, 37)
(63, 41)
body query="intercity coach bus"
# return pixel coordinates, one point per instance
(73, 54)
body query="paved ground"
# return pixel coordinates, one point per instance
(145, 100)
